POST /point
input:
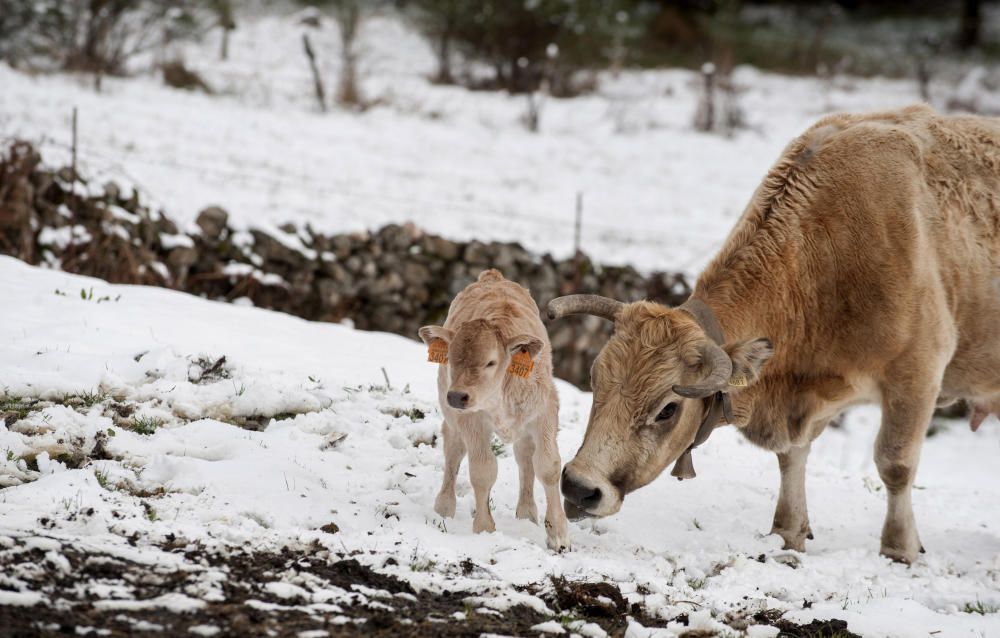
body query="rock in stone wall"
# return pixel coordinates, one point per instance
(395, 279)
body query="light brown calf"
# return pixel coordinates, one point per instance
(866, 268)
(498, 378)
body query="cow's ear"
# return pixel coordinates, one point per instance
(524, 343)
(748, 359)
(432, 333)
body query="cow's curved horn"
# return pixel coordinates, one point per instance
(584, 305)
(720, 369)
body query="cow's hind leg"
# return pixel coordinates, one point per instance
(907, 408)
(454, 452)
(791, 517)
(548, 465)
(524, 449)
(477, 433)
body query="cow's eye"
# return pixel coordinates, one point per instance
(668, 411)
(491, 364)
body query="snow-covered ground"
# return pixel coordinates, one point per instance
(656, 194)
(346, 449)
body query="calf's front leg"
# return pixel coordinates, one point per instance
(454, 452)
(524, 449)
(548, 466)
(476, 433)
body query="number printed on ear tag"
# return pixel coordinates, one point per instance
(437, 351)
(521, 364)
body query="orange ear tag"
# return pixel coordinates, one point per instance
(437, 351)
(521, 364)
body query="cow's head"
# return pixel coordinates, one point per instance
(651, 383)
(478, 358)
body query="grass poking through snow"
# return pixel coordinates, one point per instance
(144, 424)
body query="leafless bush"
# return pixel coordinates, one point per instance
(93, 36)
(348, 15)
(718, 107)
(179, 76)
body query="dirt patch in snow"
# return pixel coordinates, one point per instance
(182, 588)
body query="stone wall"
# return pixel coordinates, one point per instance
(395, 279)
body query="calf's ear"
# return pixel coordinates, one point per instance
(432, 333)
(748, 358)
(524, 343)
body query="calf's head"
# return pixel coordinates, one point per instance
(651, 384)
(478, 358)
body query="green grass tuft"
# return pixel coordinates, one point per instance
(981, 608)
(145, 424)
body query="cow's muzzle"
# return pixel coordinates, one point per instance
(581, 496)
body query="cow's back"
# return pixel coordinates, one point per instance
(867, 228)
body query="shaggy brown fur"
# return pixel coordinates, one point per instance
(488, 323)
(870, 257)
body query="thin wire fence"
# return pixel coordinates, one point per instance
(110, 162)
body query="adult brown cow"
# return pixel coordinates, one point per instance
(869, 257)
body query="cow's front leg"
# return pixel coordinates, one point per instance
(476, 433)
(454, 452)
(548, 466)
(906, 413)
(524, 449)
(791, 517)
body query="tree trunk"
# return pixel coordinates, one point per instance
(968, 35)
(317, 79)
(444, 58)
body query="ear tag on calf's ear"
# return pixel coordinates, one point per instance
(521, 364)
(437, 351)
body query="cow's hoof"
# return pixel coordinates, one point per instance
(899, 556)
(444, 505)
(906, 553)
(794, 540)
(901, 544)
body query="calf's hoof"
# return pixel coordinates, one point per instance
(557, 537)
(528, 510)
(483, 524)
(444, 505)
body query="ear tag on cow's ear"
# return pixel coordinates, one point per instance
(437, 351)
(739, 382)
(521, 364)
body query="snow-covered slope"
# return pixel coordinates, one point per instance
(656, 194)
(117, 359)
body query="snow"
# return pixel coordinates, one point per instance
(698, 548)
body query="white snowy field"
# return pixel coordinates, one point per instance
(697, 548)
(656, 194)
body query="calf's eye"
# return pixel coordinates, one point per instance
(668, 411)
(491, 364)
